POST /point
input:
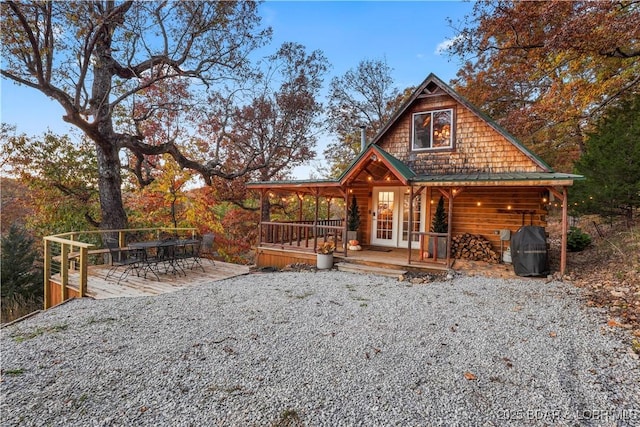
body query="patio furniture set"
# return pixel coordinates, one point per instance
(162, 256)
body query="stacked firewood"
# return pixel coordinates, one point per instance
(473, 247)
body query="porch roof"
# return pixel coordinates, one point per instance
(321, 187)
(498, 179)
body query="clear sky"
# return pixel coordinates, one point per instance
(407, 34)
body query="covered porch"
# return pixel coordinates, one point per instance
(397, 207)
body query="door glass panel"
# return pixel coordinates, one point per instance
(384, 214)
(417, 204)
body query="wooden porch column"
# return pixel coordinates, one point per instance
(565, 220)
(300, 197)
(410, 225)
(315, 222)
(260, 220)
(449, 227)
(345, 225)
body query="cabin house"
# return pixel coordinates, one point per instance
(436, 145)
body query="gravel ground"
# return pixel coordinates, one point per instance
(323, 349)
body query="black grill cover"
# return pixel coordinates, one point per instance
(529, 251)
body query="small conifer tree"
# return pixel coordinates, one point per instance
(19, 273)
(353, 221)
(439, 223)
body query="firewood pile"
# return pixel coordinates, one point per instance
(473, 247)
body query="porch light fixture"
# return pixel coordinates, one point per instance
(374, 158)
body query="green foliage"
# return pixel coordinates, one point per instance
(353, 221)
(611, 164)
(19, 273)
(577, 240)
(62, 178)
(439, 223)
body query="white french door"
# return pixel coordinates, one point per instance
(390, 217)
(385, 213)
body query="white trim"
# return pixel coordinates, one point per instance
(432, 113)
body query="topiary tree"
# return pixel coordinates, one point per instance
(439, 222)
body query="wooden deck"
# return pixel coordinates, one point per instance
(134, 286)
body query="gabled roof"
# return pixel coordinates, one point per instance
(433, 79)
(373, 153)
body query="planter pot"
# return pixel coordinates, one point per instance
(352, 235)
(442, 247)
(324, 261)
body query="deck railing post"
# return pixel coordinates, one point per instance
(64, 270)
(47, 273)
(84, 266)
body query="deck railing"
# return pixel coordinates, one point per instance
(435, 255)
(302, 234)
(77, 250)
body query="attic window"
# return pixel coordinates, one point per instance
(433, 130)
(431, 87)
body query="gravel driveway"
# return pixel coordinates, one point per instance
(323, 349)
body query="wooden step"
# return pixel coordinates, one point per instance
(368, 269)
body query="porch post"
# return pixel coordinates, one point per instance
(299, 206)
(410, 225)
(565, 219)
(315, 223)
(345, 225)
(260, 220)
(449, 226)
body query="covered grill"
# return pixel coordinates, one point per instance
(529, 251)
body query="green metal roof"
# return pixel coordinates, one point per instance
(489, 177)
(400, 167)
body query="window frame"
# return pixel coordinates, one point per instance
(449, 147)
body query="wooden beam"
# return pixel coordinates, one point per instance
(565, 220)
(409, 232)
(449, 227)
(84, 271)
(47, 273)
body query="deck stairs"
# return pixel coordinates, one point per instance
(369, 269)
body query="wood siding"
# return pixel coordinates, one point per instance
(279, 258)
(55, 293)
(477, 146)
(363, 198)
(499, 208)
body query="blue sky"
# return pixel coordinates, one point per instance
(406, 34)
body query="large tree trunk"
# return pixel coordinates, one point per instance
(110, 183)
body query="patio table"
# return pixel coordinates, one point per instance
(170, 253)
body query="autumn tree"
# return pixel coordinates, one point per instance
(94, 57)
(270, 125)
(61, 177)
(611, 164)
(364, 96)
(547, 70)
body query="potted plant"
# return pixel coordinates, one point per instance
(324, 258)
(353, 220)
(439, 225)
